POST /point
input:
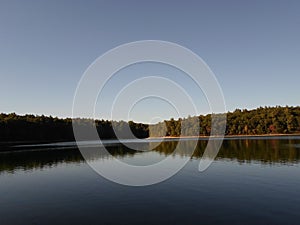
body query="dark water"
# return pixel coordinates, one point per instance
(252, 181)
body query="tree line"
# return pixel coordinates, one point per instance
(15, 127)
(260, 121)
(263, 120)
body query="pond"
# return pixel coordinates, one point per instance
(252, 181)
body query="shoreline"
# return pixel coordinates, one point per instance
(228, 136)
(154, 137)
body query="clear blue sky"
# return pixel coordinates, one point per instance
(253, 47)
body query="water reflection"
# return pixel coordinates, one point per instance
(244, 150)
(264, 151)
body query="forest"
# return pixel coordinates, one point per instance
(260, 121)
(15, 127)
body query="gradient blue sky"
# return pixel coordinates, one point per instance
(253, 47)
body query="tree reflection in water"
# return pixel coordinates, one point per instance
(262, 150)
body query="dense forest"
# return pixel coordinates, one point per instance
(267, 120)
(43, 128)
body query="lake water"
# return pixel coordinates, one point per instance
(252, 181)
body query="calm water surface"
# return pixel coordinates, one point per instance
(252, 181)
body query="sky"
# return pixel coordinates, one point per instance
(252, 47)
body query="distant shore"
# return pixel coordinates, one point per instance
(228, 136)
(19, 142)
